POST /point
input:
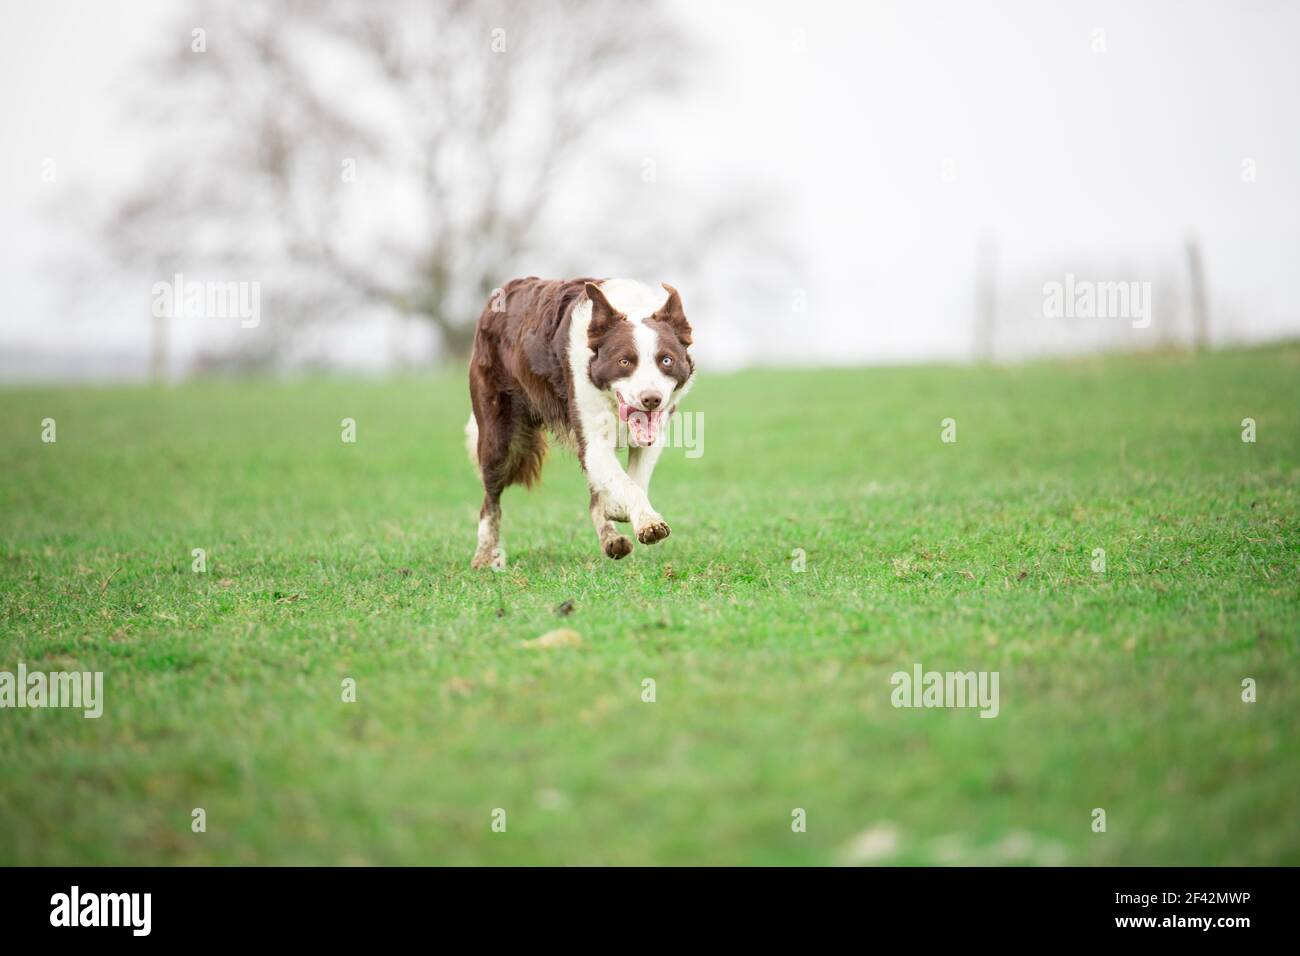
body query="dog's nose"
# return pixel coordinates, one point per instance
(651, 400)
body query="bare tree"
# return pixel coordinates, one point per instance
(402, 154)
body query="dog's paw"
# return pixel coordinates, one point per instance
(494, 558)
(653, 530)
(619, 546)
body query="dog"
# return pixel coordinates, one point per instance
(598, 364)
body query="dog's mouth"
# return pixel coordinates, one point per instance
(643, 428)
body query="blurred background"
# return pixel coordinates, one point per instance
(827, 183)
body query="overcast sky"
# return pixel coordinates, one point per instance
(901, 134)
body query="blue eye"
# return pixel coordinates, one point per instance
(666, 361)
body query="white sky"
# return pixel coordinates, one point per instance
(1072, 160)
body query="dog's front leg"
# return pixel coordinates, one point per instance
(623, 498)
(641, 464)
(614, 545)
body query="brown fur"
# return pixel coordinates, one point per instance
(672, 314)
(614, 344)
(520, 384)
(518, 380)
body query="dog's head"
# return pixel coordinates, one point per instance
(642, 361)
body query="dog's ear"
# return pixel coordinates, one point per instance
(671, 312)
(603, 315)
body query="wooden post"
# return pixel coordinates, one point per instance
(1200, 308)
(985, 298)
(158, 350)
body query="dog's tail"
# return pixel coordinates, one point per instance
(471, 443)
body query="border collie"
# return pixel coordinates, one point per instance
(598, 364)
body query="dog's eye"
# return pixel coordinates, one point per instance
(623, 363)
(666, 361)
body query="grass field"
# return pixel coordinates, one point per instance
(326, 560)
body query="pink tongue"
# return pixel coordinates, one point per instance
(643, 427)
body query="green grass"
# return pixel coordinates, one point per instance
(329, 560)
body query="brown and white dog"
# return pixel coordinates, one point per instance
(593, 362)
